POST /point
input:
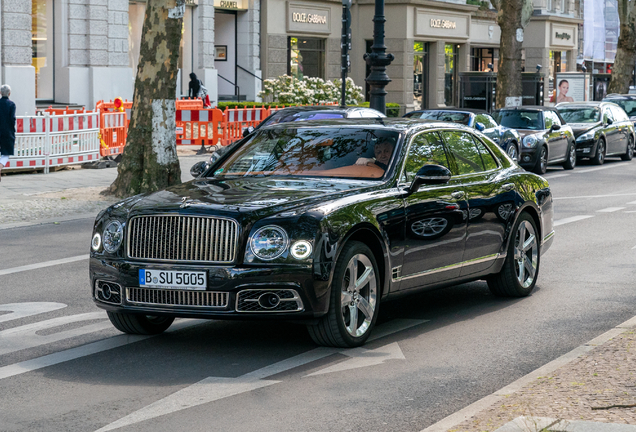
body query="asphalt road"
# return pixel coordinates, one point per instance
(64, 368)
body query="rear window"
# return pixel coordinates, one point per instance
(628, 105)
(519, 119)
(447, 116)
(580, 115)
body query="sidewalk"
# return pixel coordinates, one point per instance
(71, 193)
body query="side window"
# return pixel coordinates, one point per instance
(426, 148)
(557, 119)
(619, 114)
(554, 118)
(487, 158)
(548, 119)
(607, 115)
(486, 120)
(463, 148)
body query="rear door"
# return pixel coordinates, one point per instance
(621, 121)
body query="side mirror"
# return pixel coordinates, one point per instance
(248, 131)
(430, 175)
(198, 168)
(609, 121)
(555, 127)
(480, 126)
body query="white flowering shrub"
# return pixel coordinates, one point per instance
(288, 90)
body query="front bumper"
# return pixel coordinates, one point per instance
(312, 291)
(529, 157)
(586, 148)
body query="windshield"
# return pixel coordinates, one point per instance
(448, 116)
(286, 117)
(324, 152)
(628, 105)
(581, 115)
(517, 119)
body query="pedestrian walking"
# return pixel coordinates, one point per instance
(7, 126)
(194, 87)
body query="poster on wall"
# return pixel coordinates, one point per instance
(570, 87)
(220, 52)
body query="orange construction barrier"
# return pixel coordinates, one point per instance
(112, 106)
(67, 110)
(113, 133)
(199, 126)
(189, 104)
(236, 120)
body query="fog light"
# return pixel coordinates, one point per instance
(301, 249)
(268, 300)
(526, 158)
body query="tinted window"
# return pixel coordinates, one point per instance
(619, 114)
(487, 158)
(463, 148)
(552, 116)
(549, 120)
(581, 115)
(486, 120)
(607, 115)
(519, 119)
(628, 105)
(426, 148)
(448, 116)
(286, 117)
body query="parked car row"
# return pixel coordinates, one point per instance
(538, 136)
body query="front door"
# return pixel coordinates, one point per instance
(435, 229)
(557, 139)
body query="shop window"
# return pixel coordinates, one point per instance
(306, 57)
(480, 58)
(450, 74)
(42, 47)
(420, 75)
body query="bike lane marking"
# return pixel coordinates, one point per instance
(571, 219)
(22, 310)
(43, 264)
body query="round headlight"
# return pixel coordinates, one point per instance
(113, 236)
(300, 249)
(96, 242)
(269, 242)
(530, 141)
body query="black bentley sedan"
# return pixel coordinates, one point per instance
(320, 223)
(547, 139)
(508, 139)
(601, 129)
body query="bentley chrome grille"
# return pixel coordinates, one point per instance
(148, 296)
(182, 238)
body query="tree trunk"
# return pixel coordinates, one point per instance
(512, 17)
(149, 161)
(625, 50)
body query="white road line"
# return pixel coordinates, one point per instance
(595, 196)
(583, 171)
(43, 264)
(21, 310)
(571, 219)
(631, 203)
(610, 209)
(556, 176)
(83, 351)
(631, 211)
(634, 248)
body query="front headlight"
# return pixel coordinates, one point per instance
(269, 242)
(112, 236)
(96, 243)
(300, 249)
(586, 136)
(530, 141)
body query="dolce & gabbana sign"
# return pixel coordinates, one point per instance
(305, 18)
(436, 24)
(442, 23)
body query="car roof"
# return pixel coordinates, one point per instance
(398, 124)
(328, 108)
(620, 96)
(461, 110)
(586, 104)
(527, 108)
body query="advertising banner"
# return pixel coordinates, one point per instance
(570, 87)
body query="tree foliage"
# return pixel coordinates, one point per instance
(149, 161)
(625, 49)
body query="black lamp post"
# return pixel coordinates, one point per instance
(378, 60)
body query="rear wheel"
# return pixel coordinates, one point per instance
(570, 162)
(354, 301)
(518, 276)
(542, 164)
(599, 158)
(140, 324)
(629, 152)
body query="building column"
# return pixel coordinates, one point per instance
(17, 70)
(206, 72)
(436, 79)
(248, 51)
(400, 89)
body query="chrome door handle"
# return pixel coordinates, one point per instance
(508, 187)
(458, 194)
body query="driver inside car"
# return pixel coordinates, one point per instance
(382, 151)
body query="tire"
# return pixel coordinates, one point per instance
(542, 164)
(599, 157)
(140, 324)
(512, 280)
(332, 329)
(513, 152)
(570, 162)
(629, 152)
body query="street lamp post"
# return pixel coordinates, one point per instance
(378, 60)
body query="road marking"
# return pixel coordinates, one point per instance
(361, 357)
(43, 264)
(571, 219)
(583, 171)
(21, 310)
(610, 209)
(595, 196)
(213, 388)
(84, 350)
(631, 211)
(556, 176)
(631, 203)
(634, 248)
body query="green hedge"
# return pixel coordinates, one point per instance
(392, 109)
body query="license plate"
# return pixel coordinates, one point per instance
(187, 280)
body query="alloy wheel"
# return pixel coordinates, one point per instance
(512, 152)
(544, 160)
(358, 297)
(526, 253)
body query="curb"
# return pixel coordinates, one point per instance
(47, 221)
(464, 414)
(532, 424)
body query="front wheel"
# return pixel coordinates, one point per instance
(518, 276)
(354, 301)
(140, 324)
(570, 161)
(629, 152)
(542, 163)
(599, 158)
(513, 152)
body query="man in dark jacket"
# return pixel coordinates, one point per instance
(7, 126)
(194, 86)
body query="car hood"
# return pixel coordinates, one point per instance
(236, 196)
(524, 132)
(580, 128)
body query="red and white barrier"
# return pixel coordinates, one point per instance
(55, 140)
